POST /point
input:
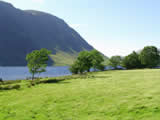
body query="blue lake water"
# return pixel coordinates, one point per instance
(18, 73)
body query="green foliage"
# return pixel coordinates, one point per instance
(10, 87)
(37, 61)
(100, 67)
(132, 61)
(115, 61)
(149, 56)
(84, 61)
(87, 60)
(75, 68)
(97, 60)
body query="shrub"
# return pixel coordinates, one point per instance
(16, 87)
(9, 87)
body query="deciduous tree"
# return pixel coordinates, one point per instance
(132, 61)
(115, 61)
(149, 56)
(37, 61)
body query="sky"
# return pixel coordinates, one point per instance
(114, 27)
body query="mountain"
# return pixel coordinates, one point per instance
(23, 31)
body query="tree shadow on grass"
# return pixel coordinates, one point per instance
(100, 77)
(52, 81)
(103, 76)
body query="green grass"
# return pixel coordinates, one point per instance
(110, 95)
(63, 58)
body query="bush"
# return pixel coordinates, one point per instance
(9, 87)
(5, 87)
(16, 87)
(10, 82)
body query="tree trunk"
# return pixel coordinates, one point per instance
(32, 76)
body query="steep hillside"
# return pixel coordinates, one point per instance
(24, 31)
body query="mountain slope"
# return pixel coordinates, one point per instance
(24, 31)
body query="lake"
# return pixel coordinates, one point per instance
(18, 73)
(21, 73)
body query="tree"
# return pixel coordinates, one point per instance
(87, 60)
(96, 60)
(115, 61)
(37, 61)
(76, 68)
(101, 67)
(149, 56)
(132, 61)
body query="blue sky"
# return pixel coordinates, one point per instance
(114, 27)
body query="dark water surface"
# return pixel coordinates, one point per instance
(18, 73)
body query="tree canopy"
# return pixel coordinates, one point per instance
(149, 56)
(132, 61)
(37, 61)
(115, 61)
(87, 60)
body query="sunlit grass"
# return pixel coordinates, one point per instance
(110, 95)
(63, 59)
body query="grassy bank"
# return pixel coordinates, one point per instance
(110, 95)
(63, 58)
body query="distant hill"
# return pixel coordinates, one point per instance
(24, 31)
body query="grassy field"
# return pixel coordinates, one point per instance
(110, 95)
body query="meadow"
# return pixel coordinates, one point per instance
(109, 95)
